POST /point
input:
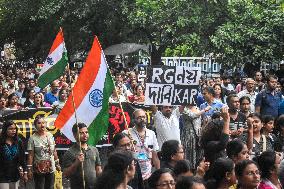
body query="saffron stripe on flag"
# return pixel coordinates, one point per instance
(58, 40)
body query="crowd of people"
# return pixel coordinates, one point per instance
(231, 137)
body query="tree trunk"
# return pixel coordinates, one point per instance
(250, 69)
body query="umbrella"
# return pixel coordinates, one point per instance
(124, 48)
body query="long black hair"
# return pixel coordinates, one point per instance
(188, 182)
(234, 147)
(212, 131)
(117, 138)
(266, 163)
(155, 177)
(5, 127)
(218, 171)
(114, 172)
(222, 95)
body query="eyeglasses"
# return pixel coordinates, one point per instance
(181, 152)
(140, 117)
(165, 184)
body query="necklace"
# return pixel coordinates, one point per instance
(140, 138)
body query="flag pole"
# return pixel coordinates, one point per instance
(76, 119)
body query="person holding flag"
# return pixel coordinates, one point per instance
(88, 104)
(75, 156)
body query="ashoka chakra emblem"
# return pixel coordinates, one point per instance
(96, 98)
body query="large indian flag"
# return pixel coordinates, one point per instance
(55, 63)
(91, 96)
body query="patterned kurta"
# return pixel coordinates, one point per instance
(190, 134)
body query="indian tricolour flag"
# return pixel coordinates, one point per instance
(55, 63)
(91, 96)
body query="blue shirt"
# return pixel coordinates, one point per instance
(200, 99)
(50, 98)
(215, 107)
(268, 103)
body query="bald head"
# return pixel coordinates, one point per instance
(55, 87)
(140, 118)
(138, 112)
(250, 84)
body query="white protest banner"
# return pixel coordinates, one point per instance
(141, 73)
(170, 85)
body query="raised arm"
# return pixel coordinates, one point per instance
(154, 109)
(226, 117)
(250, 133)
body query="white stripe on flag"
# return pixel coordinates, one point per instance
(56, 55)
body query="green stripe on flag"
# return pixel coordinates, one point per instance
(54, 72)
(100, 124)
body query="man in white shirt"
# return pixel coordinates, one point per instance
(250, 92)
(227, 84)
(146, 145)
(166, 123)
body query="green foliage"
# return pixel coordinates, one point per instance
(253, 33)
(187, 48)
(238, 31)
(32, 25)
(180, 26)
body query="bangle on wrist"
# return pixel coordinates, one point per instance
(29, 165)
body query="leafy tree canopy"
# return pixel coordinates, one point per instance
(253, 33)
(32, 25)
(175, 23)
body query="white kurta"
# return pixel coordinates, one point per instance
(167, 128)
